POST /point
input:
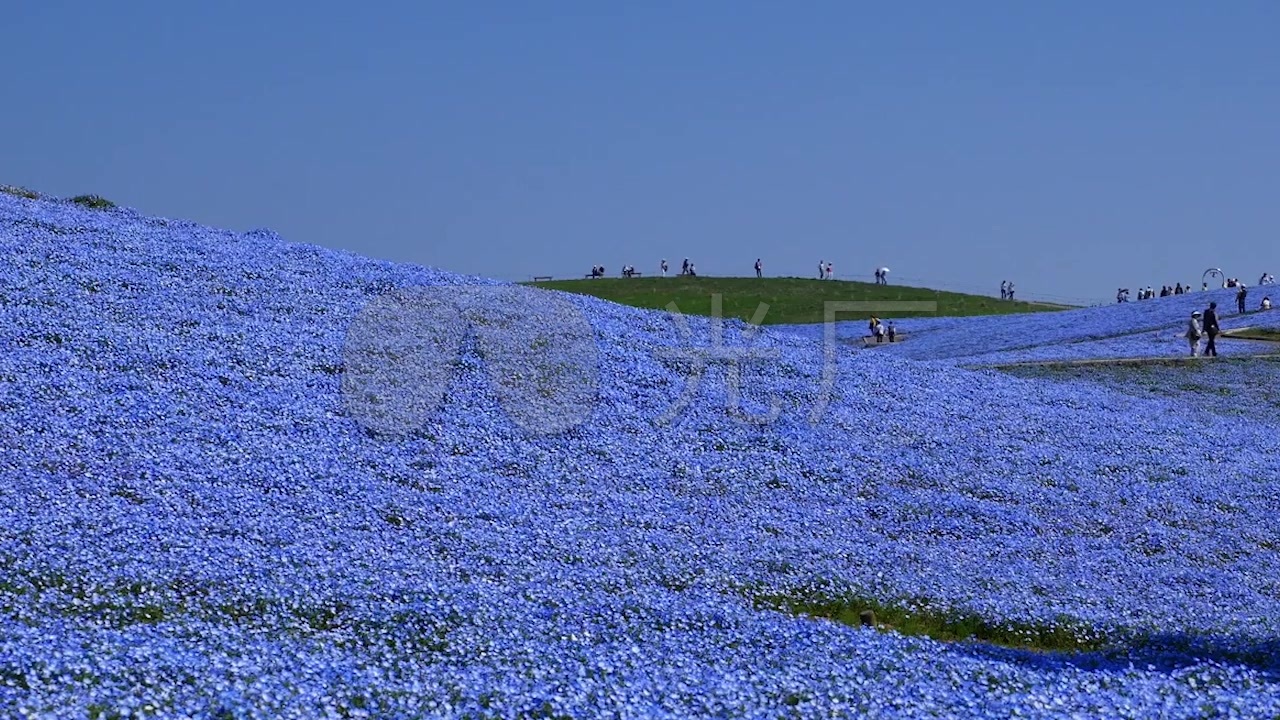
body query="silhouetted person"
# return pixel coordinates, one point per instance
(1240, 296)
(759, 268)
(1211, 329)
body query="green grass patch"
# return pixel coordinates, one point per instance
(1265, 334)
(917, 619)
(790, 300)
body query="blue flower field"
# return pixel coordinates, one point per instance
(246, 478)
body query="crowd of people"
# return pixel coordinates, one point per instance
(826, 270)
(880, 330)
(1148, 293)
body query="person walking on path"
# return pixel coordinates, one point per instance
(1193, 333)
(892, 332)
(759, 268)
(1211, 329)
(1240, 296)
(1010, 291)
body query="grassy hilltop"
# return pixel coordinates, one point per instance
(790, 300)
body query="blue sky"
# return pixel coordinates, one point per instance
(1072, 147)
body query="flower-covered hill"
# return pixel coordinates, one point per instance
(247, 478)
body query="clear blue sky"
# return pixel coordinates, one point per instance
(1072, 147)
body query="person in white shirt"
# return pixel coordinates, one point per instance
(664, 267)
(829, 273)
(1193, 333)
(822, 269)
(1004, 289)
(1266, 303)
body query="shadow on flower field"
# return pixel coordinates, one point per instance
(1170, 653)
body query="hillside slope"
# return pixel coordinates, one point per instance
(246, 478)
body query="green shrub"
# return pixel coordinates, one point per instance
(20, 191)
(97, 202)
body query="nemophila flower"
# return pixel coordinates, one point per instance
(202, 513)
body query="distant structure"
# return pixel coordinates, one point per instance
(1212, 273)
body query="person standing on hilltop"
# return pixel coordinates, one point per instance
(830, 274)
(1240, 296)
(759, 268)
(1004, 289)
(1211, 329)
(663, 267)
(1011, 291)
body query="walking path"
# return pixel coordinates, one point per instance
(1149, 360)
